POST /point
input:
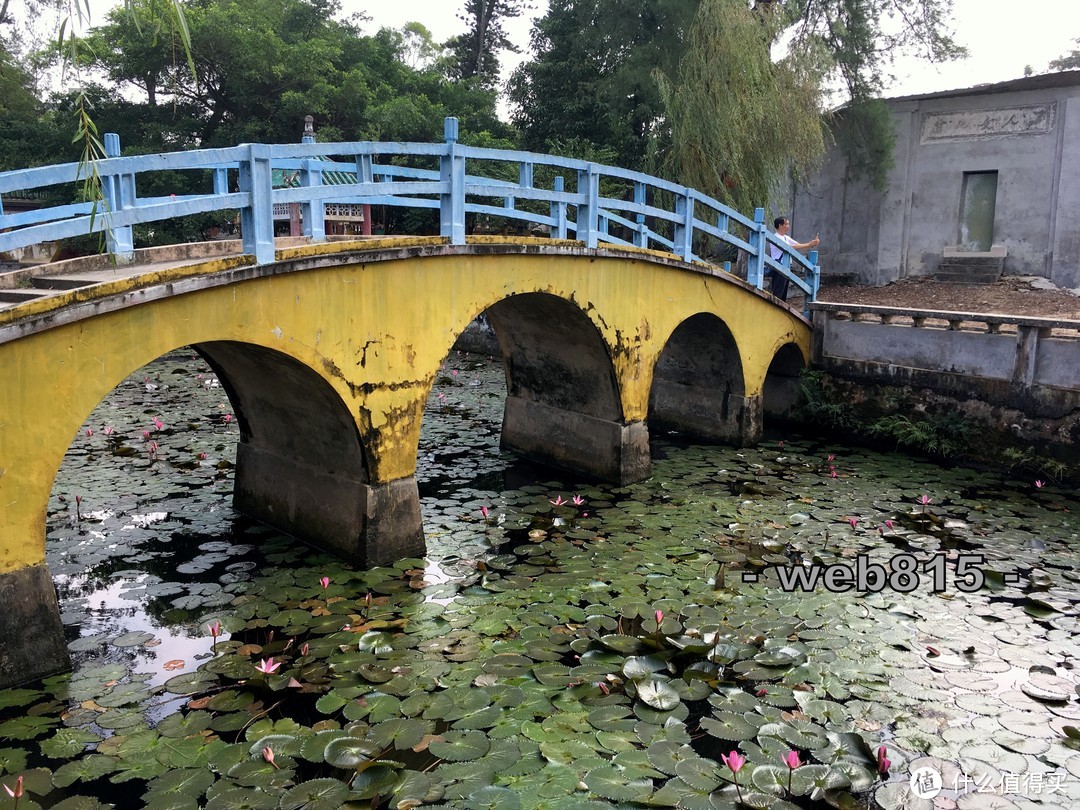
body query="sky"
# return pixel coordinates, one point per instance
(1002, 37)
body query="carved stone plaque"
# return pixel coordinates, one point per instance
(1003, 122)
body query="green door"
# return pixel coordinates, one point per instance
(977, 211)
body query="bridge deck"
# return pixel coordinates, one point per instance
(42, 281)
(36, 281)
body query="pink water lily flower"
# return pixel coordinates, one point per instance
(883, 762)
(214, 628)
(659, 618)
(484, 511)
(735, 761)
(924, 499)
(854, 521)
(17, 791)
(1040, 484)
(325, 582)
(268, 755)
(791, 759)
(558, 501)
(158, 423)
(578, 500)
(268, 665)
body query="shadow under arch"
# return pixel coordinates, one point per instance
(300, 462)
(780, 393)
(698, 386)
(563, 405)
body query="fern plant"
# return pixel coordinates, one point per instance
(1042, 466)
(944, 435)
(815, 405)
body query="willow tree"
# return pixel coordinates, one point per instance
(737, 121)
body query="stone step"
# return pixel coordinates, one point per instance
(61, 282)
(970, 269)
(968, 277)
(18, 295)
(973, 264)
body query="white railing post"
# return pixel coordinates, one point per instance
(722, 226)
(257, 217)
(525, 180)
(588, 212)
(452, 171)
(641, 236)
(755, 265)
(558, 209)
(365, 174)
(313, 212)
(684, 227)
(814, 281)
(119, 191)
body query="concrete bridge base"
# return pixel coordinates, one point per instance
(588, 445)
(367, 524)
(706, 413)
(33, 636)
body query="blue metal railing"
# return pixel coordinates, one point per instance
(650, 213)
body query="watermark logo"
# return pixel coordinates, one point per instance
(925, 782)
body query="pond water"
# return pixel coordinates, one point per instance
(563, 644)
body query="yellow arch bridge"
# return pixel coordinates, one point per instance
(329, 354)
(328, 351)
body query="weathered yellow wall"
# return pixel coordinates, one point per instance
(376, 331)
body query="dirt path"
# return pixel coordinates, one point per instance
(1012, 295)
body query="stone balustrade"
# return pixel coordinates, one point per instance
(1028, 363)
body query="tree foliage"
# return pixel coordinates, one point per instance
(861, 38)
(262, 65)
(1070, 61)
(591, 77)
(738, 121)
(722, 93)
(29, 132)
(474, 54)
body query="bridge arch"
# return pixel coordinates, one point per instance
(301, 463)
(698, 384)
(781, 389)
(563, 403)
(82, 371)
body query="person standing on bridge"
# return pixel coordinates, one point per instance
(782, 226)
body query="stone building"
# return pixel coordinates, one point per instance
(985, 178)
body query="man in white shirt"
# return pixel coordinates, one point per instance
(782, 226)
